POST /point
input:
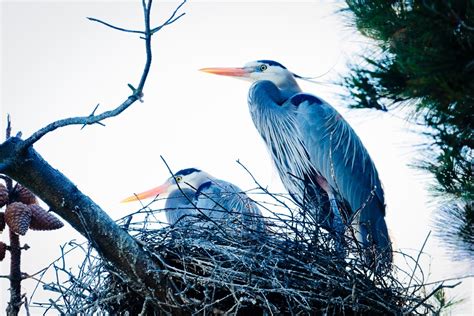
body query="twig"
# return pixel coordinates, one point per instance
(171, 19)
(9, 127)
(439, 287)
(418, 258)
(92, 114)
(53, 303)
(27, 306)
(3, 165)
(145, 306)
(450, 279)
(114, 27)
(266, 191)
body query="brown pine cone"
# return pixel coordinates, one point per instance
(2, 221)
(24, 195)
(3, 250)
(3, 195)
(18, 217)
(42, 220)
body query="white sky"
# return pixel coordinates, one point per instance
(57, 64)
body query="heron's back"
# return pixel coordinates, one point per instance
(227, 204)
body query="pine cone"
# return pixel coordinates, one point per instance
(18, 217)
(2, 221)
(3, 250)
(3, 195)
(42, 220)
(24, 195)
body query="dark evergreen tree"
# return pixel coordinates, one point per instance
(426, 62)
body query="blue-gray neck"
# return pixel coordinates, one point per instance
(178, 204)
(265, 93)
(289, 87)
(275, 120)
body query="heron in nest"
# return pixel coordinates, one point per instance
(195, 196)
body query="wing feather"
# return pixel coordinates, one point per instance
(335, 148)
(225, 202)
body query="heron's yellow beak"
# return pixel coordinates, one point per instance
(232, 72)
(150, 193)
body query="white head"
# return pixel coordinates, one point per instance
(261, 70)
(190, 178)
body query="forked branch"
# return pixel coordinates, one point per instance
(137, 93)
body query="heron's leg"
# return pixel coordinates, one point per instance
(337, 225)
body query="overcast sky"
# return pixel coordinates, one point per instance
(56, 64)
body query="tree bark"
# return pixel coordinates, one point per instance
(13, 307)
(114, 244)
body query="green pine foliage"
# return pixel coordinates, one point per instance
(427, 63)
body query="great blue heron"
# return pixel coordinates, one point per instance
(316, 152)
(193, 193)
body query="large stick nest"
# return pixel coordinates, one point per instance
(291, 268)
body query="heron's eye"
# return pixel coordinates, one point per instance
(178, 178)
(263, 67)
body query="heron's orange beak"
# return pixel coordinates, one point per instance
(150, 193)
(232, 72)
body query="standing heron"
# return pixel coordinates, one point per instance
(318, 155)
(194, 193)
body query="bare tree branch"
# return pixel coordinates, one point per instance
(137, 92)
(146, 12)
(81, 120)
(114, 27)
(171, 19)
